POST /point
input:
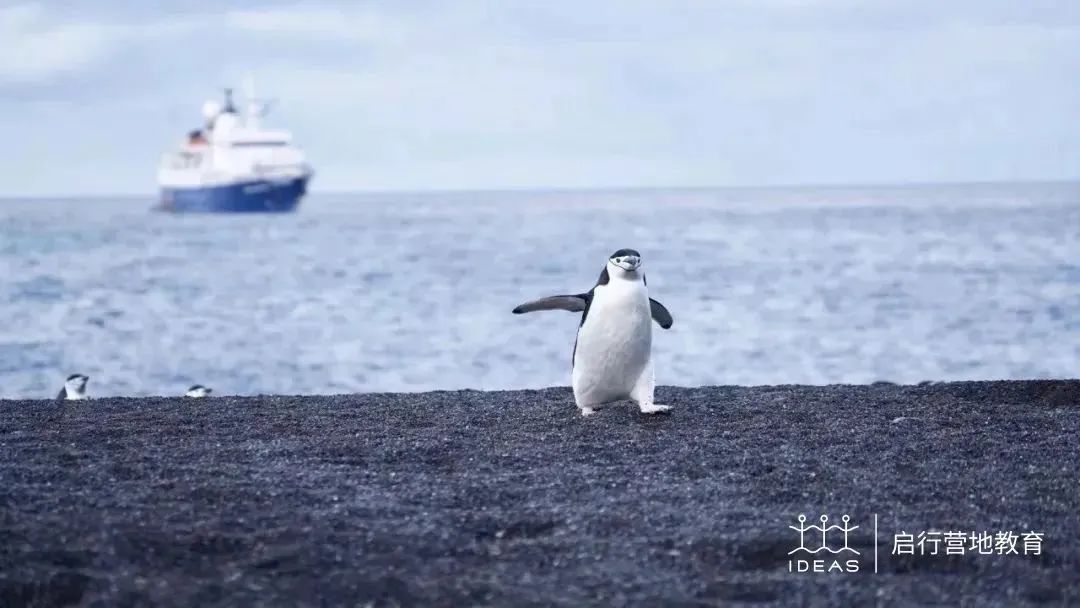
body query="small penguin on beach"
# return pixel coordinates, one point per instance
(74, 388)
(612, 357)
(198, 391)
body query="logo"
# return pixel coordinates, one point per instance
(827, 547)
(824, 547)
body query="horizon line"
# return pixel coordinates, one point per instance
(603, 188)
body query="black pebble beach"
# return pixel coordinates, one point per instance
(512, 499)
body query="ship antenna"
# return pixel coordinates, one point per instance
(255, 108)
(229, 107)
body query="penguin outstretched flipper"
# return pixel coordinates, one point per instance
(660, 314)
(572, 303)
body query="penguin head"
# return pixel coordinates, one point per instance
(76, 383)
(624, 261)
(198, 390)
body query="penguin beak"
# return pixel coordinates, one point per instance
(628, 263)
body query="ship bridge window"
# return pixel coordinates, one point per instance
(258, 144)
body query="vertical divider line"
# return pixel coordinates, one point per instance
(875, 543)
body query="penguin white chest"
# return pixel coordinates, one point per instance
(614, 342)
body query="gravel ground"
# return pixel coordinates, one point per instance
(510, 498)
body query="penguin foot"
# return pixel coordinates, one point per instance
(653, 408)
(587, 411)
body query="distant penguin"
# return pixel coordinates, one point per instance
(197, 391)
(74, 388)
(613, 353)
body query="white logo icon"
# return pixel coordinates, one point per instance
(820, 542)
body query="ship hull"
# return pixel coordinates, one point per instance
(258, 196)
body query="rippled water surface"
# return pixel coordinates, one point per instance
(400, 292)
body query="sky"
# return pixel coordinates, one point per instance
(425, 95)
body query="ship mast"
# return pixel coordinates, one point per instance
(229, 107)
(255, 108)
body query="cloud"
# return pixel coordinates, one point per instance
(334, 23)
(535, 93)
(37, 46)
(34, 49)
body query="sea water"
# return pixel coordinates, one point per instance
(413, 292)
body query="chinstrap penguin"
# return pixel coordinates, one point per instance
(612, 357)
(74, 388)
(197, 391)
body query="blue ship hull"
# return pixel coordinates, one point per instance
(260, 196)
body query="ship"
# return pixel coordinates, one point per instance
(231, 164)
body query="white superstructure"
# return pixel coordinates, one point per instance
(232, 148)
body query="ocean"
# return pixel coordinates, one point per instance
(413, 292)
